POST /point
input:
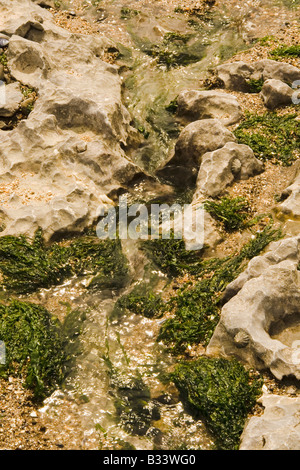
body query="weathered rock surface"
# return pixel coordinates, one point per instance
(66, 159)
(236, 75)
(194, 105)
(198, 138)
(282, 250)
(270, 69)
(264, 303)
(278, 428)
(207, 236)
(13, 99)
(222, 167)
(290, 207)
(276, 93)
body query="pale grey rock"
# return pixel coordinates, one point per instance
(205, 236)
(235, 75)
(45, 3)
(276, 93)
(272, 70)
(195, 105)
(67, 158)
(278, 428)
(290, 207)
(13, 99)
(222, 167)
(262, 309)
(281, 250)
(198, 138)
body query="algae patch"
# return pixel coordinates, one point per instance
(271, 136)
(29, 265)
(196, 308)
(223, 392)
(34, 346)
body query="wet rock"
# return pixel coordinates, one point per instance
(265, 304)
(195, 105)
(276, 93)
(273, 70)
(223, 166)
(198, 138)
(235, 75)
(278, 428)
(13, 99)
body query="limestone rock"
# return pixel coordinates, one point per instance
(272, 70)
(223, 166)
(235, 75)
(275, 93)
(282, 250)
(290, 207)
(278, 428)
(264, 310)
(13, 98)
(208, 237)
(194, 105)
(198, 138)
(67, 158)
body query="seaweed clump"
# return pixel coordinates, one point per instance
(231, 212)
(33, 346)
(29, 265)
(174, 50)
(271, 137)
(223, 392)
(141, 301)
(286, 51)
(196, 308)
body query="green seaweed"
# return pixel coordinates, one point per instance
(223, 392)
(174, 50)
(127, 13)
(272, 137)
(3, 59)
(255, 86)
(172, 106)
(141, 301)
(286, 51)
(231, 212)
(266, 40)
(34, 346)
(197, 308)
(171, 255)
(29, 265)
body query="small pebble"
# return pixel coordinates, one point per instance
(3, 42)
